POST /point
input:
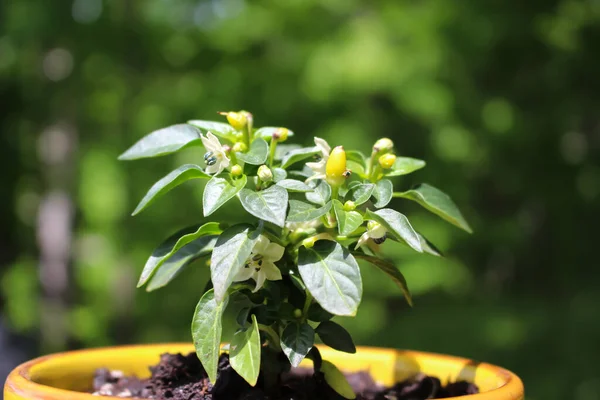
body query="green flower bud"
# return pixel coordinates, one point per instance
(383, 145)
(387, 161)
(297, 313)
(236, 170)
(240, 147)
(349, 206)
(265, 174)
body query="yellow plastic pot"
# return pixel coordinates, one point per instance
(67, 376)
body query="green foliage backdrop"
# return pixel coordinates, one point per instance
(501, 98)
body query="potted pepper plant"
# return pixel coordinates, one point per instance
(277, 279)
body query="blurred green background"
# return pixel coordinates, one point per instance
(502, 98)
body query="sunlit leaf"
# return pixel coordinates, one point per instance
(244, 354)
(348, 221)
(293, 185)
(220, 129)
(405, 166)
(362, 193)
(321, 192)
(397, 225)
(163, 141)
(336, 380)
(383, 193)
(219, 190)
(302, 211)
(297, 155)
(296, 341)
(269, 204)
(256, 154)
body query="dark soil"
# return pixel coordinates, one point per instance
(178, 377)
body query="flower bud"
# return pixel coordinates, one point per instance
(349, 206)
(297, 313)
(240, 147)
(265, 174)
(236, 170)
(383, 144)
(387, 161)
(336, 166)
(281, 134)
(237, 120)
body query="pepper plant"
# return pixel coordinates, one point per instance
(276, 283)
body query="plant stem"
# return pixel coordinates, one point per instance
(398, 194)
(335, 189)
(307, 303)
(273, 336)
(272, 148)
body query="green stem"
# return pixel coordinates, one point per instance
(398, 194)
(273, 336)
(272, 148)
(307, 303)
(335, 190)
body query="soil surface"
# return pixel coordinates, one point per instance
(179, 377)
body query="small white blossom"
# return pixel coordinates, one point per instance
(375, 231)
(261, 265)
(212, 145)
(319, 167)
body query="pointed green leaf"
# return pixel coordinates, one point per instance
(279, 174)
(256, 154)
(293, 185)
(301, 211)
(391, 270)
(189, 253)
(283, 148)
(230, 254)
(266, 132)
(361, 193)
(397, 224)
(404, 166)
(238, 304)
(220, 129)
(163, 141)
(294, 156)
(357, 156)
(438, 203)
(244, 354)
(172, 245)
(335, 336)
(206, 332)
(348, 221)
(356, 168)
(296, 341)
(332, 276)
(269, 204)
(219, 190)
(429, 247)
(383, 193)
(321, 192)
(336, 380)
(170, 181)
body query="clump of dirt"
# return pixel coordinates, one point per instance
(179, 377)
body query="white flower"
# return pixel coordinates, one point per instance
(261, 265)
(319, 167)
(303, 226)
(375, 231)
(215, 157)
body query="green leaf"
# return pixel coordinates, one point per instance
(163, 141)
(283, 148)
(336, 380)
(238, 304)
(279, 174)
(335, 336)
(244, 354)
(219, 190)
(356, 156)
(317, 314)
(397, 224)
(172, 244)
(301, 211)
(230, 254)
(220, 129)
(173, 179)
(429, 247)
(438, 203)
(321, 192)
(356, 168)
(269, 204)
(404, 166)
(391, 270)
(294, 156)
(383, 193)
(296, 341)
(257, 154)
(362, 193)
(266, 132)
(348, 221)
(293, 185)
(206, 332)
(180, 259)
(332, 276)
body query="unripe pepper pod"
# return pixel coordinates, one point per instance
(236, 170)
(383, 145)
(387, 161)
(336, 166)
(237, 120)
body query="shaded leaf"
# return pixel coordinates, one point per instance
(296, 341)
(332, 276)
(219, 190)
(163, 141)
(301, 211)
(391, 270)
(269, 204)
(438, 203)
(357, 156)
(170, 181)
(398, 225)
(335, 336)
(206, 332)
